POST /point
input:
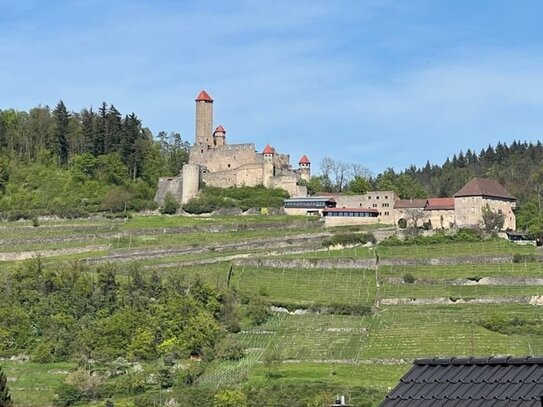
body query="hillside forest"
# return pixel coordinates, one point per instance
(69, 163)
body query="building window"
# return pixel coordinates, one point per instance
(377, 197)
(386, 197)
(228, 165)
(385, 205)
(374, 205)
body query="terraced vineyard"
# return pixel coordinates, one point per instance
(352, 316)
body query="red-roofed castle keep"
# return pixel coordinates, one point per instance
(216, 163)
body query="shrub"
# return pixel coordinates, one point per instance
(213, 198)
(257, 310)
(68, 395)
(341, 309)
(463, 235)
(170, 206)
(523, 258)
(409, 278)
(345, 239)
(229, 398)
(44, 353)
(230, 349)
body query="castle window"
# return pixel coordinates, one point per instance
(377, 197)
(202, 150)
(228, 165)
(386, 197)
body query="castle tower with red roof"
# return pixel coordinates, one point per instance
(268, 153)
(304, 168)
(204, 120)
(219, 136)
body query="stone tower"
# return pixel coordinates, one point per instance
(219, 136)
(268, 170)
(204, 120)
(268, 153)
(305, 168)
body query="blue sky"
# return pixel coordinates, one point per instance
(380, 83)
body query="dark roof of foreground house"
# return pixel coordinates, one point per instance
(484, 187)
(473, 382)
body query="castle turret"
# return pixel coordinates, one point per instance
(268, 153)
(305, 168)
(204, 120)
(219, 136)
(269, 169)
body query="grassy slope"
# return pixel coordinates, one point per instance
(351, 350)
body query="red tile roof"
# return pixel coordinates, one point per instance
(203, 95)
(220, 129)
(304, 160)
(436, 204)
(268, 150)
(484, 187)
(410, 203)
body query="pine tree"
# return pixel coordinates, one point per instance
(98, 145)
(88, 128)
(62, 120)
(5, 397)
(132, 144)
(114, 130)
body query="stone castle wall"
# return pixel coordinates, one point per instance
(287, 182)
(440, 218)
(223, 158)
(282, 161)
(469, 211)
(173, 185)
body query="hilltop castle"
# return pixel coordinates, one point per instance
(214, 162)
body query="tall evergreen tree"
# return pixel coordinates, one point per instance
(88, 128)
(98, 145)
(62, 121)
(114, 130)
(5, 397)
(132, 144)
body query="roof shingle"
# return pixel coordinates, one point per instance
(203, 95)
(434, 204)
(484, 187)
(470, 382)
(409, 203)
(268, 150)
